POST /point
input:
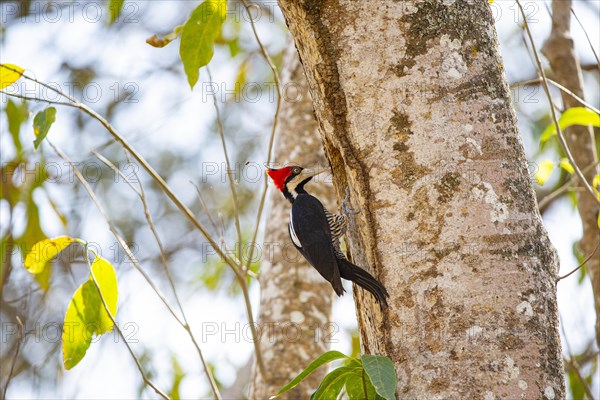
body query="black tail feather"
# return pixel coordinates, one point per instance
(363, 279)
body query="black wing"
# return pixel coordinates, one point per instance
(309, 223)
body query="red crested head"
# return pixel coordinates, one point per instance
(279, 176)
(291, 180)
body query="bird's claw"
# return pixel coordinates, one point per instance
(346, 204)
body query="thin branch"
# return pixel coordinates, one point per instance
(113, 229)
(29, 293)
(269, 61)
(116, 170)
(15, 357)
(573, 363)
(236, 208)
(587, 37)
(205, 208)
(116, 326)
(590, 67)
(240, 276)
(559, 131)
(588, 258)
(167, 269)
(184, 323)
(265, 54)
(537, 81)
(19, 96)
(157, 178)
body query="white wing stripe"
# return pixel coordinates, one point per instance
(292, 233)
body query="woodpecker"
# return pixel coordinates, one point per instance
(316, 233)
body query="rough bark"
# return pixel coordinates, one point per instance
(560, 51)
(417, 121)
(295, 302)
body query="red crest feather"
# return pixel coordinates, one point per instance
(279, 176)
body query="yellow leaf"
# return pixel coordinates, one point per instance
(572, 116)
(566, 165)
(106, 278)
(42, 252)
(544, 171)
(596, 186)
(86, 315)
(9, 74)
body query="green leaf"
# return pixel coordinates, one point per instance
(359, 386)
(544, 171)
(332, 384)
(381, 371)
(41, 125)
(16, 115)
(86, 315)
(178, 376)
(198, 37)
(9, 74)
(572, 116)
(115, 8)
(42, 252)
(319, 361)
(566, 165)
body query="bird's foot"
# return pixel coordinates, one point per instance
(346, 209)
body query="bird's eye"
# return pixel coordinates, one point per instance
(296, 170)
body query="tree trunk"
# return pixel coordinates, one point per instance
(560, 51)
(295, 302)
(417, 121)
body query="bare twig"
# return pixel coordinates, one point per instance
(236, 208)
(267, 58)
(15, 357)
(587, 37)
(573, 363)
(269, 61)
(116, 326)
(155, 176)
(205, 208)
(588, 258)
(538, 81)
(167, 269)
(183, 320)
(116, 170)
(114, 230)
(240, 275)
(559, 131)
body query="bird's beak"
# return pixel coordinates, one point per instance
(310, 173)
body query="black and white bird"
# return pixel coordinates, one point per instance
(316, 233)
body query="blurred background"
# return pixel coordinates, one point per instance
(144, 93)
